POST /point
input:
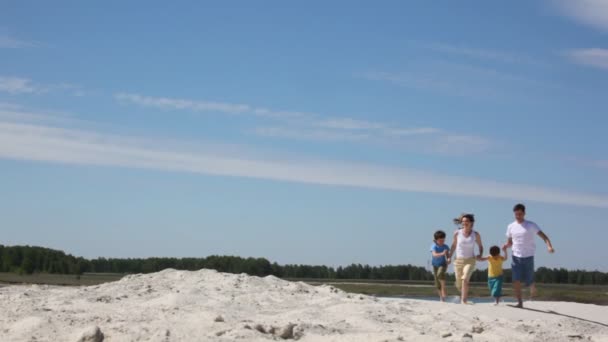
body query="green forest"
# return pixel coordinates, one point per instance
(30, 259)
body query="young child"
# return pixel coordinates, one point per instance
(440, 250)
(495, 277)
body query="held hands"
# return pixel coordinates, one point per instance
(448, 260)
(504, 247)
(478, 257)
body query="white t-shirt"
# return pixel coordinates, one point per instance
(523, 235)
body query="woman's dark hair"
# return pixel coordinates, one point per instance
(519, 207)
(440, 234)
(494, 250)
(469, 217)
(458, 220)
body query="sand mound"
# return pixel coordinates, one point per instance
(210, 306)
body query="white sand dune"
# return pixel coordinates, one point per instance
(210, 306)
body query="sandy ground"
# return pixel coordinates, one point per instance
(211, 306)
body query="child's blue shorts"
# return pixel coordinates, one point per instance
(495, 285)
(523, 269)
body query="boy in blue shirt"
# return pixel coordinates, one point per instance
(440, 250)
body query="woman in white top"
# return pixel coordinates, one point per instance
(464, 246)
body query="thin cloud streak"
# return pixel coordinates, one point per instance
(423, 140)
(593, 13)
(350, 124)
(463, 80)
(203, 106)
(8, 42)
(484, 54)
(601, 164)
(72, 146)
(168, 103)
(17, 85)
(21, 85)
(314, 127)
(431, 81)
(594, 57)
(309, 134)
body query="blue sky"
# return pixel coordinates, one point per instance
(305, 133)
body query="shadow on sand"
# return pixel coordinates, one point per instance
(551, 312)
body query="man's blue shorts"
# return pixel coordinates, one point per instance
(523, 270)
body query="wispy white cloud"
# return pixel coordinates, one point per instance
(17, 85)
(169, 103)
(21, 85)
(459, 144)
(431, 80)
(72, 89)
(601, 164)
(16, 113)
(594, 57)
(463, 80)
(8, 42)
(306, 126)
(412, 131)
(28, 141)
(422, 140)
(310, 134)
(593, 13)
(375, 127)
(485, 54)
(350, 124)
(203, 106)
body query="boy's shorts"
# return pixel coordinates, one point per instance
(439, 273)
(523, 269)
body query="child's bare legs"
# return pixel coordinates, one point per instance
(443, 293)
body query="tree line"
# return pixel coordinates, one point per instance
(30, 259)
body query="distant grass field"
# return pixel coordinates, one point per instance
(553, 292)
(59, 279)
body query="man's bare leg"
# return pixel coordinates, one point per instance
(532, 291)
(517, 289)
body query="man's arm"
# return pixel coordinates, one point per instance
(508, 244)
(506, 254)
(478, 239)
(547, 241)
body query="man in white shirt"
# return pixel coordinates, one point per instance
(520, 237)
